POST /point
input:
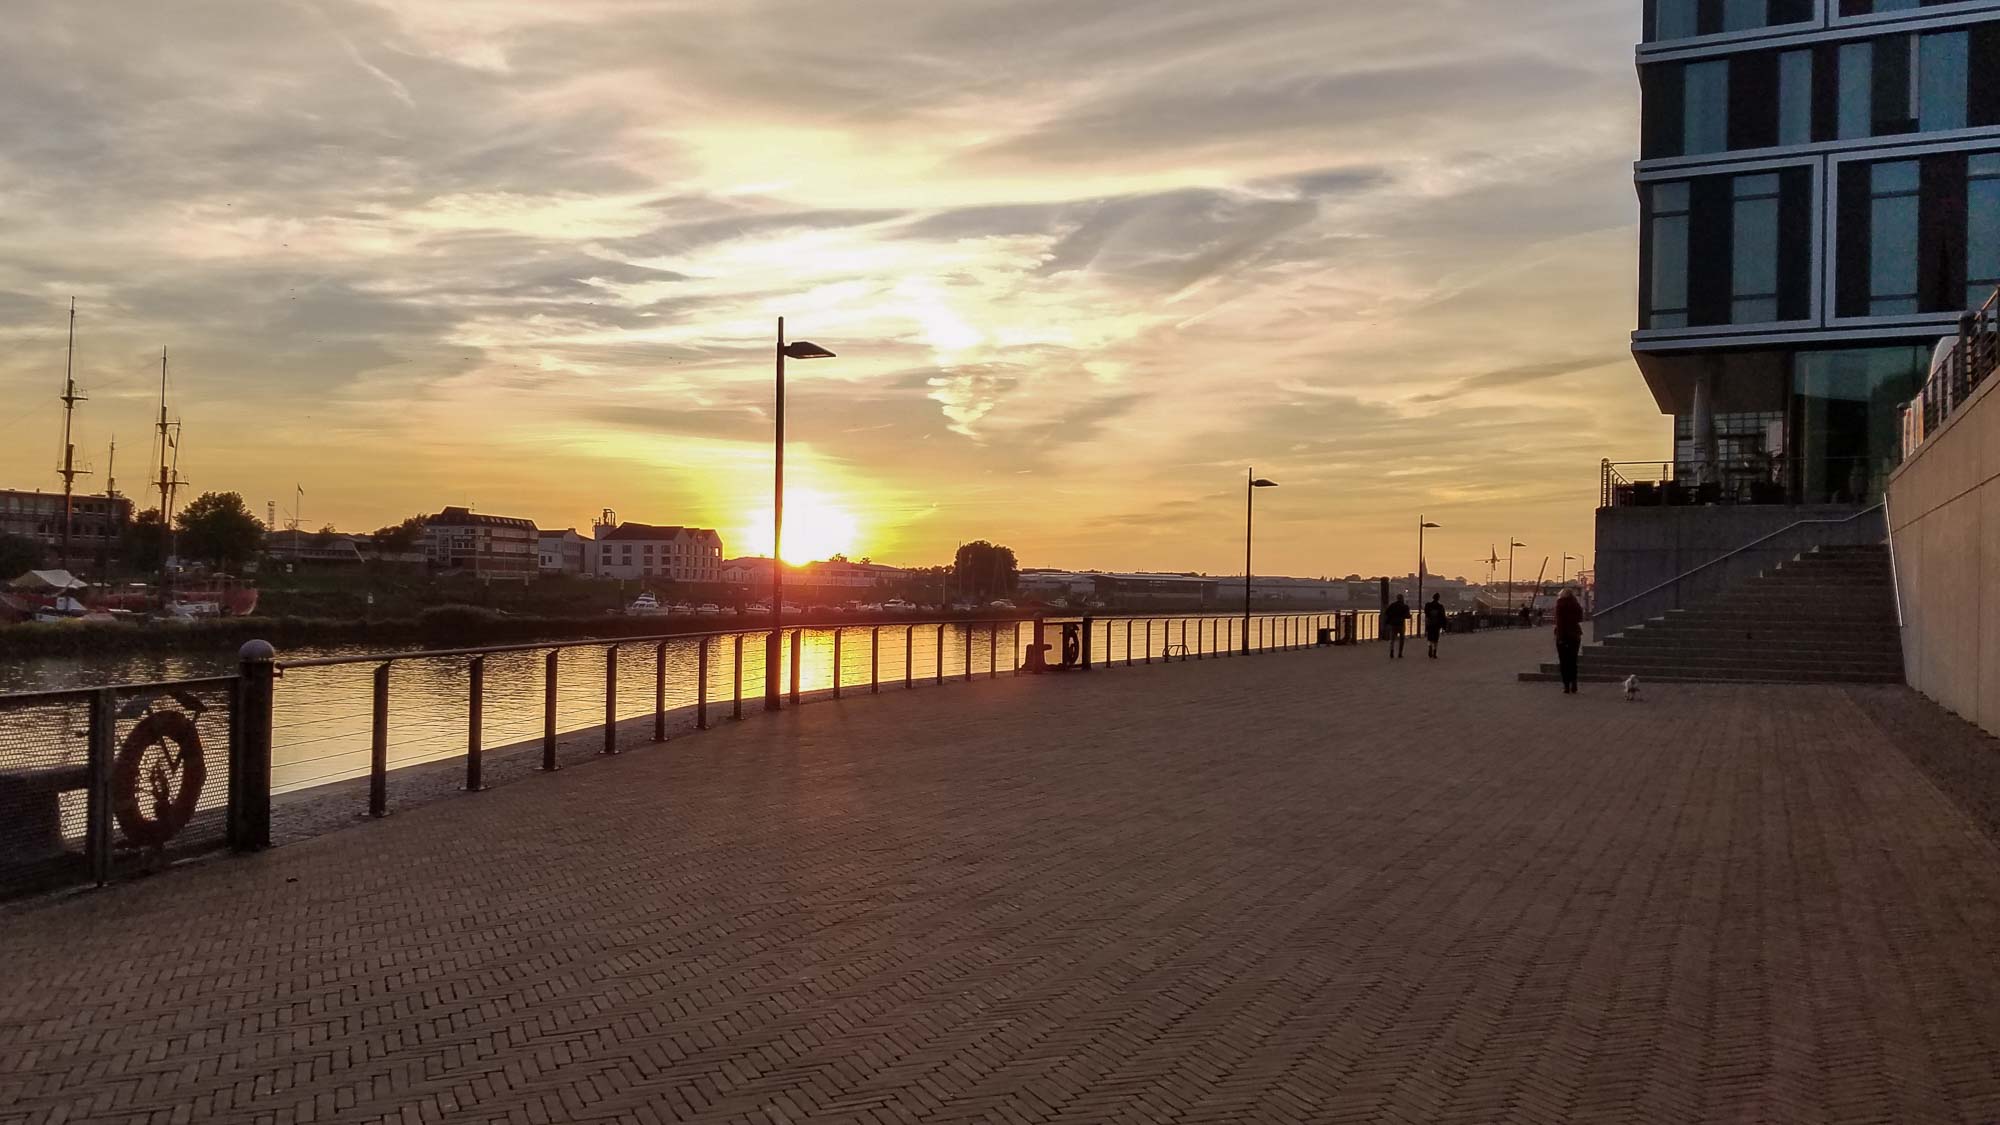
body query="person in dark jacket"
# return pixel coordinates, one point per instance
(1569, 638)
(1395, 623)
(1434, 622)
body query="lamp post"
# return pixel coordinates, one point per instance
(1249, 520)
(801, 349)
(1568, 559)
(1512, 545)
(1423, 525)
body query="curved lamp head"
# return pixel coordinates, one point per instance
(806, 349)
(1517, 543)
(1433, 525)
(1260, 482)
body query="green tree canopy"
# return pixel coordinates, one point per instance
(401, 536)
(984, 571)
(18, 555)
(145, 542)
(218, 529)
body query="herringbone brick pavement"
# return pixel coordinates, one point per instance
(1315, 887)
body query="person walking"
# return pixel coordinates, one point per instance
(1569, 638)
(1434, 621)
(1395, 623)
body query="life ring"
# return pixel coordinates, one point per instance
(172, 780)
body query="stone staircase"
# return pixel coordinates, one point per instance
(1828, 616)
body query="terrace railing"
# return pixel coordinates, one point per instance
(1968, 361)
(100, 783)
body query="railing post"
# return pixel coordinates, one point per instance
(378, 749)
(660, 690)
(940, 656)
(993, 653)
(1184, 650)
(875, 660)
(736, 702)
(798, 642)
(1086, 654)
(1017, 648)
(700, 689)
(549, 665)
(1200, 624)
(836, 662)
(968, 653)
(1128, 642)
(475, 723)
(1149, 640)
(250, 750)
(97, 811)
(610, 701)
(909, 657)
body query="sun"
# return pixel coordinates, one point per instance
(816, 527)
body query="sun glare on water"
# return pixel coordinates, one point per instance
(816, 527)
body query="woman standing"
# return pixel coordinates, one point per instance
(1569, 637)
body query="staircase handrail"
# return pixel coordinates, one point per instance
(1747, 547)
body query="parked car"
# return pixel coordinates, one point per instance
(1000, 603)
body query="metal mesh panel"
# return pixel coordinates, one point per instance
(44, 772)
(169, 774)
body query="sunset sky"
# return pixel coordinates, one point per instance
(1083, 260)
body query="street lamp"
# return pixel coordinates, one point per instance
(1422, 526)
(1249, 518)
(1568, 559)
(799, 349)
(1512, 545)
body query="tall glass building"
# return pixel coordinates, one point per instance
(1819, 184)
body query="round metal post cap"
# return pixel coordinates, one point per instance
(256, 652)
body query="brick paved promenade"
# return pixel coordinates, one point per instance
(1308, 887)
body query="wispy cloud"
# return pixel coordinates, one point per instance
(1081, 260)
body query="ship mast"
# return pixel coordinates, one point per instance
(169, 432)
(69, 471)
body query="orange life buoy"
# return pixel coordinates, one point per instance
(171, 779)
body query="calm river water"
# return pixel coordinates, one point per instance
(324, 716)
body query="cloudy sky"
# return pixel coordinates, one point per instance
(1083, 261)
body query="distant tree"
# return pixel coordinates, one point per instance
(401, 536)
(145, 544)
(18, 555)
(984, 571)
(327, 529)
(218, 529)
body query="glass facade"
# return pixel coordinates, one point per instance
(1982, 228)
(1917, 236)
(1890, 85)
(1728, 250)
(1685, 19)
(1892, 239)
(1846, 420)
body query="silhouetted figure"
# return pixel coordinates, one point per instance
(1569, 638)
(1396, 623)
(1527, 617)
(1434, 622)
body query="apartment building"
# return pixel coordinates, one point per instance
(672, 553)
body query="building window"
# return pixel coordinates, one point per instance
(1982, 228)
(1795, 98)
(1754, 244)
(1705, 113)
(1943, 79)
(1684, 19)
(1846, 417)
(1667, 228)
(1892, 239)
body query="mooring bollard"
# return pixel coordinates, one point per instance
(610, 701)
(700, 688)
(378, 749)
(736, 681)
(249, 824)
(660, 690)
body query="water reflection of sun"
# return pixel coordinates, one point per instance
(816, 527)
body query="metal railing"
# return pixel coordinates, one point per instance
(328, 739)
(1760, 480)
(1968, 361)
(116, 780)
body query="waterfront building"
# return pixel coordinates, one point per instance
(673, 553)
(291, 545)
(1819, 185)
(97, 523)
(565, 552)
(490, 547)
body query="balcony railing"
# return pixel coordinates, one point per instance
(1961, 365)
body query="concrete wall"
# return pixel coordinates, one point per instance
(1944, 507)
(1640, 548)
